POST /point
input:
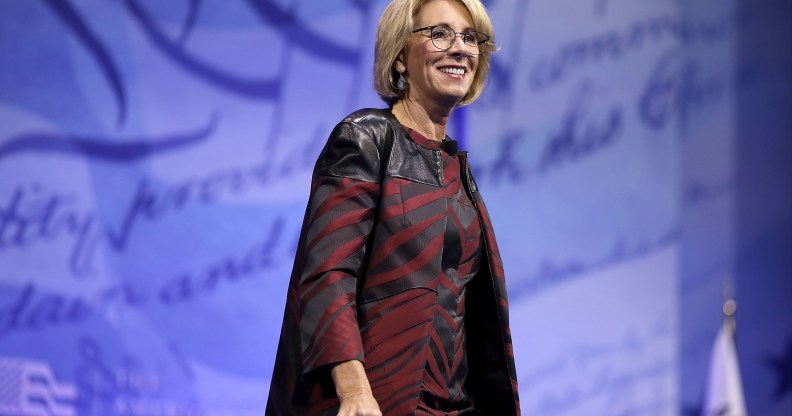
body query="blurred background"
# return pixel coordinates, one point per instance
(155, 157)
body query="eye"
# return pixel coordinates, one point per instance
(441, 33)
(470, 39)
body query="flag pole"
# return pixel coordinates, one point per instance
(729, 307)
(724, 394)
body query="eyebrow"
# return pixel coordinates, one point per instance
(466, 29)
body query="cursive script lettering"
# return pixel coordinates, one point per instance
(584, 132)
(553, 272)
(232, 269)
(616, 44)
(675, 86)
(32, 309)
(30, 216)
(581, 136)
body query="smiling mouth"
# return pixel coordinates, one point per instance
(455, 72)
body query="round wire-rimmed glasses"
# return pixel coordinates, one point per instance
(443, 37)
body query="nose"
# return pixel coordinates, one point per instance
(458, 45)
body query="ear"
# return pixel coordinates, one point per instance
(399, 65)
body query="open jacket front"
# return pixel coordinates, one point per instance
(364, 283)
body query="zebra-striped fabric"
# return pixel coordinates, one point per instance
(442, 387)
(367, 277)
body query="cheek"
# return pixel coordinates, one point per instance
(473, 74)
(474, 64)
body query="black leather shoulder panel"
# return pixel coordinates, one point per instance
(360, 142)
(415, 163)
(355, 146)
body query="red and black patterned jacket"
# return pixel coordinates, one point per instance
(364, 281)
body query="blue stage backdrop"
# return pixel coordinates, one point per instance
(155, 159)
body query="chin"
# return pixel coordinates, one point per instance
(452, 99)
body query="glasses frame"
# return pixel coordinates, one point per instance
(456, 35)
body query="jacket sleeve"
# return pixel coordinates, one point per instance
(331, 254)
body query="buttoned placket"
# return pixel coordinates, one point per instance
(439, 162)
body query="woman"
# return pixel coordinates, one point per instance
(397, 302)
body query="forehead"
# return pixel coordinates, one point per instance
(450, 12)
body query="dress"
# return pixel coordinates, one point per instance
(442, 389)
(365, 282)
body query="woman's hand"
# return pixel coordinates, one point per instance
(359, 405)
(353, 390)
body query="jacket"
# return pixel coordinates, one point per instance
(364, 280)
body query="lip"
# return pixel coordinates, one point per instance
(464, 69)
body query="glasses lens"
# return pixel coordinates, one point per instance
(442, 37)
(476, 41)
(470, 39)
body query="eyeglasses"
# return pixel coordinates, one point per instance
(443, 37)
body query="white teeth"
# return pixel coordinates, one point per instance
(453, 71)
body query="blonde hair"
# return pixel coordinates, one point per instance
(394, 29)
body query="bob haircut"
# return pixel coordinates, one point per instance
(394, 29)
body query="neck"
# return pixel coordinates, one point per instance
(428, 119)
